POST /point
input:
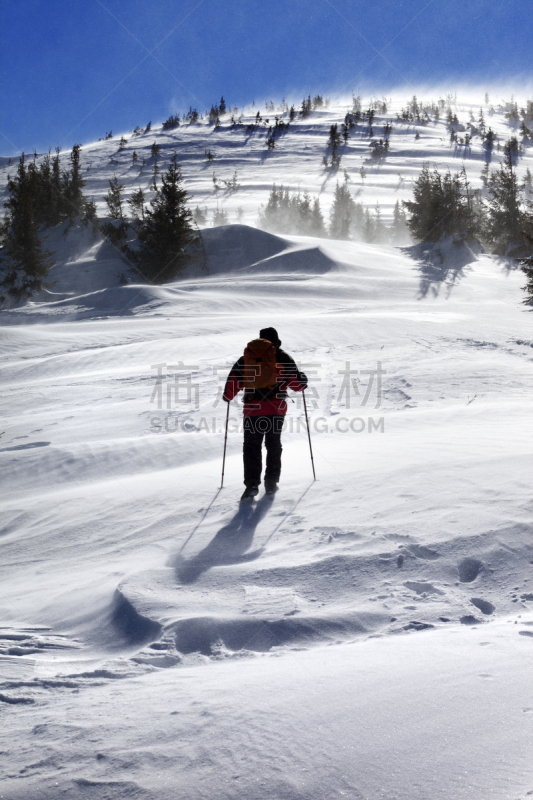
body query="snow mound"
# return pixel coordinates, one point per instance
(231, 596)
(231, 247)
(241, 247)
(113, 301)
(85, 262)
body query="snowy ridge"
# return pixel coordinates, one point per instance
(313, 601)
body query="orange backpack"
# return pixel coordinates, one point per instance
(259, 365)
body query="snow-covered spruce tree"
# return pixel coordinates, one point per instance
(73, 183)
(114, 198)
(115, 231)
(506, 219)
(318, 226)
(373, 228)
(527, 269)
(443, 205)
(200, 215)
(136, 204)
(333, 143)
(49, 200)
(172, 122)
(292, 213)
(342, 213)
(167, 233)
(49, 191)
(220, 217)
(57, 185)
(399, 231)
(305, 110)
(24, 261)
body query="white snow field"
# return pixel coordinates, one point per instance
(368, 635)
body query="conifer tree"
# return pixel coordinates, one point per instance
(167, 232)
(318, 227)
(136, 204)
(297, 214)
(91, 215)
(442, 205)
(524, 130)
(23, 258)
(342, 211)
(155, 173)
(510, 152)
(49, 198)
(73, 184)
(220, 217)
(172, 122)
(505, 216)
(200, 215)
(399, 230)
(527, 268)
(369, 227)
(114, 198)
(488, 143)
(57, 184)
(306, 107)
(222, 106)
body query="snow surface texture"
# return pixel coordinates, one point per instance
(369, 635)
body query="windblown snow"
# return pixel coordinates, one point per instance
(368, 635)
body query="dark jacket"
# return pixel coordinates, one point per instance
(267, 401)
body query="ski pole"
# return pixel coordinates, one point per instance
(224, 456)
(309, 435)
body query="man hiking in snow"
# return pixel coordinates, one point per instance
(265, 372)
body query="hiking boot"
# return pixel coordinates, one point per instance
(271, 487)
(249, 492)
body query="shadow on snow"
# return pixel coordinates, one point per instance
(229, 546)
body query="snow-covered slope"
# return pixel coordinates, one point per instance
(297, 159)
(367, 635)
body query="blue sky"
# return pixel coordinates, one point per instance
(70, 71)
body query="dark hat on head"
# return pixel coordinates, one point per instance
(271, 334)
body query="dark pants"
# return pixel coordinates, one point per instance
(255, 429)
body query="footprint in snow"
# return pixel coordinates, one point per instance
(469, 569)
(484, 606)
